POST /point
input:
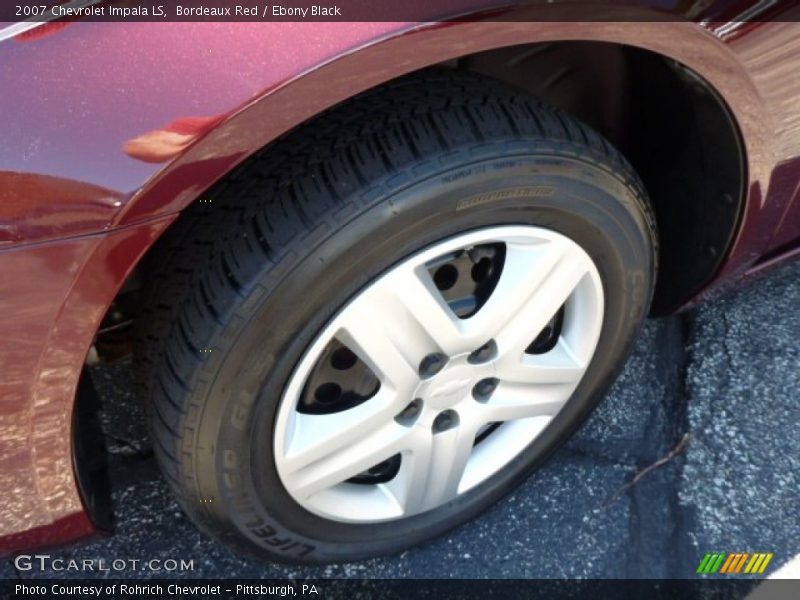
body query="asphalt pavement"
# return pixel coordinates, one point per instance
(696, 449)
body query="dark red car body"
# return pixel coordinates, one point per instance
(110, 130)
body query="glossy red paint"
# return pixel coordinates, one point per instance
(110, 130)
(54, 316)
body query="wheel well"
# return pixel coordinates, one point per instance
(669, 123)
(672, 127)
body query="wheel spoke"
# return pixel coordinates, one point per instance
(450, 451)
(409, 485)
(310, 473)
(557, 280)
(314, 437)
(525, 267)
(423, 307)
(396, 323)
(432, 470)
(557, 366)
(519, 401)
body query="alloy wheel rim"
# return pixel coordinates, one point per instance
(442, 391)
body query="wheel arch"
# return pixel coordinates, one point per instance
(717, 87)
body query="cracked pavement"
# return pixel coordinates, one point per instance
(727, 373)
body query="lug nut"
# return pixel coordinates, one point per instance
(409, 414)
(432, 364)
(483, 354)
(445, 420)
(484, 388)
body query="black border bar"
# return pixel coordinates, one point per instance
(38, 11)
(399, 589)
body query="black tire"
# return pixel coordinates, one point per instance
(244, 283)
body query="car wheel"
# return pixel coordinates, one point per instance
(385, 321)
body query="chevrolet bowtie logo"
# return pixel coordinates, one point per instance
(451, 387)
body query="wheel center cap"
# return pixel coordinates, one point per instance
(449, 387)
